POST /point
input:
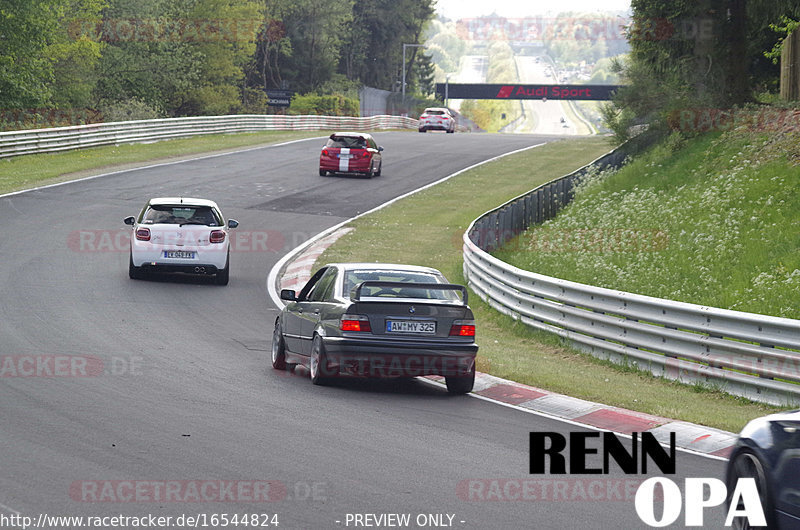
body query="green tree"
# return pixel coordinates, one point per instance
(222, 58)
(26, 27)
(422, 75)
(75, 53)
(695, 53)
(150, 54)
(315, 28)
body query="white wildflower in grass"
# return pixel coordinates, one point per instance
(714, 224)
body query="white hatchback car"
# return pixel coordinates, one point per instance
(437, 118)
(179, 234)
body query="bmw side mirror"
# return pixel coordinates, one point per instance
(288, 294)
(233, 223)
(380, 148)
(129, 220)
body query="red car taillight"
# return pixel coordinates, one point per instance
(463, 328)
(325, 152)
(355, 323)
(143, 234)
(217, 236)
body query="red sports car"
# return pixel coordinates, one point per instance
(350, 152)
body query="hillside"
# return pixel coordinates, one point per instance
(713, 220)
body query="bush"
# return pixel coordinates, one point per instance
(129, 110)
(333, 105)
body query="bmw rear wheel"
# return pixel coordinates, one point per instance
(318, 364)
(461, 384)
(278, 348)
(323, 173)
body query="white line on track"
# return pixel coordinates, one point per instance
(5, 508)
(205, 157)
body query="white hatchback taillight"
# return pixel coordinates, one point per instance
(217, 236)
(143, 234)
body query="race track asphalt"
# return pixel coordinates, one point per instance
(184, 391)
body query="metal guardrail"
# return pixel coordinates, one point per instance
(15, 143)
(746, 354)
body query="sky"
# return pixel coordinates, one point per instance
(456, 9)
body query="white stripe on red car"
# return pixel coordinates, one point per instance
(344, 161)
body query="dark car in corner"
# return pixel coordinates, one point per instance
(378, 320)
(768, 450)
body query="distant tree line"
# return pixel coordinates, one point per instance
(703, 53)
(152, 58)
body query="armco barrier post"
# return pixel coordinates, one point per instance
(518, 213)
(528, 219)
(547, 195)
(502, 216)
(491, 233)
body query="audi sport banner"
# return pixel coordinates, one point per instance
(519, 91)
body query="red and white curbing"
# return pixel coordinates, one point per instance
(298, 271)
(696, 438)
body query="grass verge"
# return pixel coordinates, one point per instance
(436, 218)
(712, 222)
(28, 171)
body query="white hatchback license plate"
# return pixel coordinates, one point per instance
(411, 326)
(178, 254)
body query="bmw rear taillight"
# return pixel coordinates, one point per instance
(143, 234)
(355, 323)
(325, 153)
(462, 328)
(217, 236)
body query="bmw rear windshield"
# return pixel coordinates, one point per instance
(354, 277)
